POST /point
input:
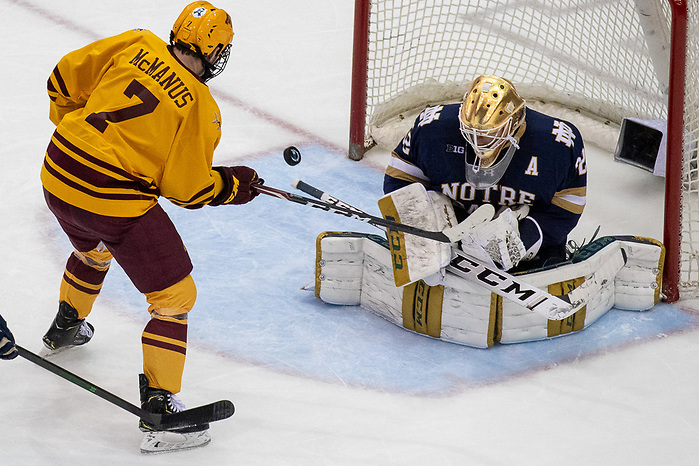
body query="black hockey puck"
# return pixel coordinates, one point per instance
(292, 156)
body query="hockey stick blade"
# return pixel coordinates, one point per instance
(189, 417)
(204, 414)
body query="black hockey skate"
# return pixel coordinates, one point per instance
(67, 330)
(159, 401)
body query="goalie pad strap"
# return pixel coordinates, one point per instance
(422, 308)
(572, 323)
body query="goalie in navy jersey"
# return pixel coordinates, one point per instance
(492, 149)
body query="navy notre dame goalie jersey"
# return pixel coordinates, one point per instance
(548, 171)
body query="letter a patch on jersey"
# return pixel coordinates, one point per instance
(533, 168)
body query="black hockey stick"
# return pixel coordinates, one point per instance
(189, 417)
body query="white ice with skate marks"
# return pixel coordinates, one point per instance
(257, 339)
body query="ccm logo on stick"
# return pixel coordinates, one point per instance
(491, 278)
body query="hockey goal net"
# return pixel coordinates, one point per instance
(601, 59)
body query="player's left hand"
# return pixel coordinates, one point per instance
(8, 350)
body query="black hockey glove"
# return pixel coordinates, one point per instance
(238, 185)
(8, 350)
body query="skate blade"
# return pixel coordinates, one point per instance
(166, 442)
(46, 352)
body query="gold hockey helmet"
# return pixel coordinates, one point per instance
(206, 31)
(491, 114)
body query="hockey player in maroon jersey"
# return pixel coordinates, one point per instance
(492, 149)
(135, 120)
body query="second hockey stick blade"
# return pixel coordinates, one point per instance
(204, 414)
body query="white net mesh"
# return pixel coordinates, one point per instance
(605, 59)
(588, 55)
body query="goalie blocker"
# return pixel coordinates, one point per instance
(357, 269)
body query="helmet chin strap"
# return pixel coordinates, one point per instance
(476, 165)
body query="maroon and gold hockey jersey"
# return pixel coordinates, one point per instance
(132, 124)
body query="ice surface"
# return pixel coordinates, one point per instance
(313, 384)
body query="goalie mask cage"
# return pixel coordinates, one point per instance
(605, 59)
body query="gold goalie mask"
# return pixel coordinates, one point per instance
(492, 120)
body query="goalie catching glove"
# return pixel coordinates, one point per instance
(497, 240)
(236, 185)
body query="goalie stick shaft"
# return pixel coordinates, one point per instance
(498, 281)
(189, 417)
(322, 195)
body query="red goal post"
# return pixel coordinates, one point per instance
(601, 60)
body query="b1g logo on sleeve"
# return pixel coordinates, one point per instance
(452, 149)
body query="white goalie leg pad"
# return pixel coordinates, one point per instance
(520, 325)
(468, 313)
(638, 284)
(415, 257)
(339, 265)
(356, 268)
(379, 293)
